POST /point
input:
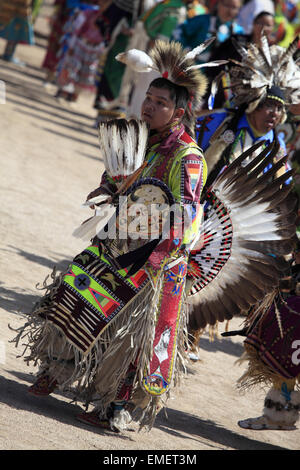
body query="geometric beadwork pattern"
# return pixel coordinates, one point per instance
(206, 263)
(90, 296)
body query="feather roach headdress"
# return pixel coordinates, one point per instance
(175, 64)
(265, 71)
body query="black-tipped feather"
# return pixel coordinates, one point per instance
(249, 225)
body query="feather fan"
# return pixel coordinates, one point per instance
(249, 224)
(123, 146)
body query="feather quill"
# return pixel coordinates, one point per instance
(213, 63)
(191, 55)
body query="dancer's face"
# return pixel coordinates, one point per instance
(158, 109)
(267, 116)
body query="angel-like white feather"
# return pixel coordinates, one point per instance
(139, 61)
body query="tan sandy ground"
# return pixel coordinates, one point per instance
(49, 163)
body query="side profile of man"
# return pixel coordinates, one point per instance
(135, 359)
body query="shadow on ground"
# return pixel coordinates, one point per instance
(224, 345)
(185, 425)
(15, 395)
(177, 423)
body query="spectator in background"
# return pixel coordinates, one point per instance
(158, 22)
(287, 21)
(116, 28)
(62, 11)
(222, 23)
(77, 67)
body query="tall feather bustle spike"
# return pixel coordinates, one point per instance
(249, 225)
(266, 51)
(213, 63)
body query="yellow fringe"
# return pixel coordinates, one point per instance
(259, 373)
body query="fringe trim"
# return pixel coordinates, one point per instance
(145, 407)
(257, 373)
(131, 344)
(258, 311)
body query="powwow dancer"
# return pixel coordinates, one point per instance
(128, 353)
(151, 297)
(272, 350)
(264, 83)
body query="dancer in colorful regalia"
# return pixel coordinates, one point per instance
(272, 350)
(15, 26)
(263, 85)
(99, 324)
(115, 323)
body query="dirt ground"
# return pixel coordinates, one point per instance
(49, 163)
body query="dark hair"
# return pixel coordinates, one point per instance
(262, 13)
(178, 94)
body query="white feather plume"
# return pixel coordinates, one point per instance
(139, 61)
(89, 229)
(123, 145)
